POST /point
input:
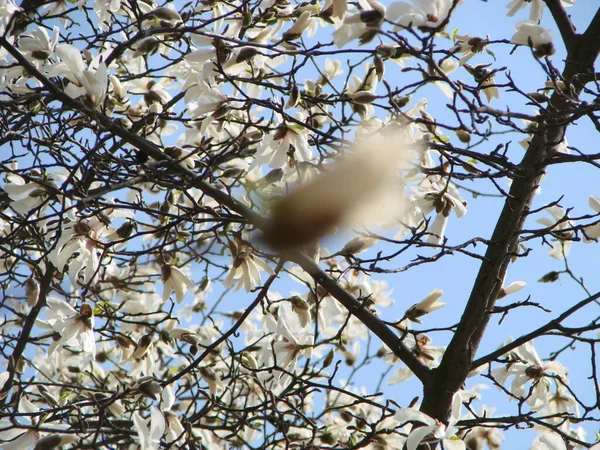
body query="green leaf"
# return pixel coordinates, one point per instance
(454, 33)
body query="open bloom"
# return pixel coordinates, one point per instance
(91, 82)
(469, 46)
(432, 430)
(419, 13)
(175, 280)
(246, 268)
(558, 224)
(437, 193)
(287, 143)
(530, 369)
(28, 195)
(530, 33)
(363, 24)
(290, 340)
(536, 8)
(76, 329)
(38, 44)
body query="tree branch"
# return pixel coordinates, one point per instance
(553, 324)
(563, 22)
(351, 303)
(456, 363)
(13, 363)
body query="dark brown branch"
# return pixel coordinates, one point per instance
(13, 363)
(456, 363)
(207, 351)
(552, 325)
(373, 323)
(358, 309)
(563, 22)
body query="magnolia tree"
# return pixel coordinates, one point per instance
(205, 206)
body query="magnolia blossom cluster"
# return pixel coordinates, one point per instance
(144, 277)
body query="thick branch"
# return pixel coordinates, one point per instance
(563, 22)
(552, 325)
(359, 310)
(456, 363)
(352, 304)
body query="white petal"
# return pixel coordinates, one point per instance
(412, 415)
(594, 203)
(552, 441)
(168, 397)
(415, 437)
(454, 444)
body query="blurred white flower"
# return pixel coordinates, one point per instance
(175, 433)
(548, 441)
(530, 33)
(363, 24)
(469, 46)
(246, 268)
(28, 195)
(592, 232)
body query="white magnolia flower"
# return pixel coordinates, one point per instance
(7, 9)
(213, 379)
(175, 279)
(562, 239)
(356, 246)
(299, 27)
(513, 287)
(530, 33)
(361, 24)
(332, 70)
(469, 46)
(175, 433)
(93, 83)
(290, 340)
(530, 369)
(151, 430)
(38, 43)
(478, 437)
(429, 304)
(536, 9)
(419, 13)
(76, 329)
(28, 195)
(437, 193)
(287, 144)
(432, 430)
(246, 268)
(548, 441)
(592, 232)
